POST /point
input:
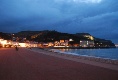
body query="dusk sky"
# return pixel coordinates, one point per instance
(97, 17)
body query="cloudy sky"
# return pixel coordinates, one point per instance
(97, 17)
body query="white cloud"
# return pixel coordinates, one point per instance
(80, 1)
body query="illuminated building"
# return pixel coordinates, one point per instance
(86, 43)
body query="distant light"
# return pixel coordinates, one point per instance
(22, 44)
(80, 41)
(3, 42)
(70, 39)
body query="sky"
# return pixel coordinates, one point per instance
(97, 17)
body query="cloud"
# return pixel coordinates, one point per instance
(93, 16)
(80, 1)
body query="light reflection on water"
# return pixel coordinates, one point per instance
(111, 53)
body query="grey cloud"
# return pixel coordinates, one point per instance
(62, 15)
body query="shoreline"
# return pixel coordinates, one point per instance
(63, 47)
(58, 50)
(91, 58)
(106, 63)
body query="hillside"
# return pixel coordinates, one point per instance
(52, 36)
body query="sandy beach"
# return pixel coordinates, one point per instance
(38, 64)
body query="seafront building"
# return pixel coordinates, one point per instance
(86, 43)
(5, 43)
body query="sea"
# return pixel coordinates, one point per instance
(107, 53)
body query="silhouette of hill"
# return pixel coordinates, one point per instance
(52, 36)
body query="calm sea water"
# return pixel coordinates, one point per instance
(111, 53)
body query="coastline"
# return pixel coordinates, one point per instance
(63, 47)
(91, 58)
(106, 63)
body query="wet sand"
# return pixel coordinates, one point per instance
(33, 64)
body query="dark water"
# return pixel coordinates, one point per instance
(111, 53)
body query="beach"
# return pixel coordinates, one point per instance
(39, 64)
(106, 63)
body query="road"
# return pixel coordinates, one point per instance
(28, 65)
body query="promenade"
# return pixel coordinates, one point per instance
(27, 64)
